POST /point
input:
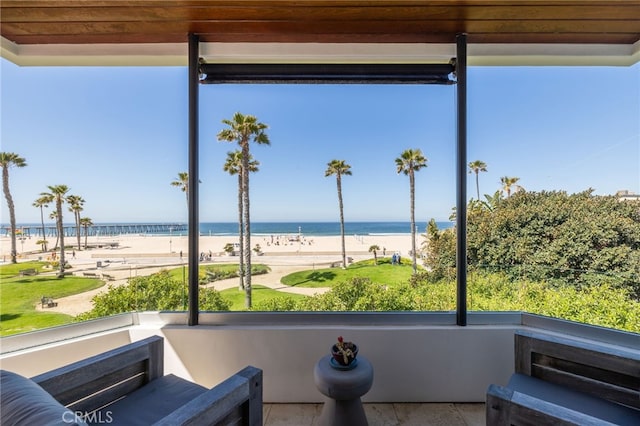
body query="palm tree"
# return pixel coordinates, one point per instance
(58, 194)
(183, 183)
(477, 167)
(75, 206)
(340, 168)
(41, 203)
(54, 215)
(409, 162)
(8, 160)
(244, 129)
(233, 166)
(374, 249)
(509, 184)
(86, 222)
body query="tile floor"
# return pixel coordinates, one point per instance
(441, 414)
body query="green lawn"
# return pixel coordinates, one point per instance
(258, 294)
(20, 295)
(235, 297)
(13, 269)
(382, 273)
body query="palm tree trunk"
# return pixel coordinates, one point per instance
(240, 234)
(477, 185)
(44, 237)
(12, 213)
(86, 231)
(247, 223)
(77, 215)
(60, 236)
(344, 252)
(413, 221)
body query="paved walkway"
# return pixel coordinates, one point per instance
(121, 271)
(273, 281)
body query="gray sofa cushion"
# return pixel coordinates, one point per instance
(23, 402)
(152, 402)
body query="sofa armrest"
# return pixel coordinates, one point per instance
(237, 400)
(506, 406)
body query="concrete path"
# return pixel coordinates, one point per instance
(273, 280)
(123, 270)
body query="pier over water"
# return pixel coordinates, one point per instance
(107, 230)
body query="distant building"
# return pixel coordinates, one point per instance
(625, 195)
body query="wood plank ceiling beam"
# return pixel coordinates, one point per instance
(321, 21)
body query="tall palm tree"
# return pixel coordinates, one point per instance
(182, 182)
(510, 184)
(41, 203)
(243, 129)
(476, 167)
(76, 204)
(86, 222)
(54, 215)
(340, 168)
(58, 194)
(233, 166)
(8, 160)
(409, 162)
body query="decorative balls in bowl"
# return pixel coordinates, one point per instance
(344, 353)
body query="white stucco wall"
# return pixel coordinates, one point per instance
(411, 364)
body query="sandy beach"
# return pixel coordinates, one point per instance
(163, 248)
(121, 257)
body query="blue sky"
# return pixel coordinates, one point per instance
(118, 137)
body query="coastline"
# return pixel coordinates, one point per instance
(231, 228)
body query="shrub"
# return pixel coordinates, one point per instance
(157, 292)
(560, 238)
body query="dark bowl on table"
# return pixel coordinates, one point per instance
(340, 357)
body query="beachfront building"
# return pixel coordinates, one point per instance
(626, 195)
(446, 356)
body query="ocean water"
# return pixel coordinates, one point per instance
(231, 228)
(318, 228)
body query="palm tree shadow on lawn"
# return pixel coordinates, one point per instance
(316, 277)
(7, 317)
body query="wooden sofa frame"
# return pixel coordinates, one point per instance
(573, 370)
(94, 383)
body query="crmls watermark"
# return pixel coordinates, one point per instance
(97, 417)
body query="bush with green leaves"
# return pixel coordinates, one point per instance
(578, 239)
(280, 304)
(361, 294)
(156, 292)
(440, 250)
(599, 304)
(213, 273)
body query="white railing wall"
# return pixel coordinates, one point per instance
(421, 357)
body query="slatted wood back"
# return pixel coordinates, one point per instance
(607, 372)
(94, 382)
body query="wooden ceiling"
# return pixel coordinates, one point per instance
(33, 22)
